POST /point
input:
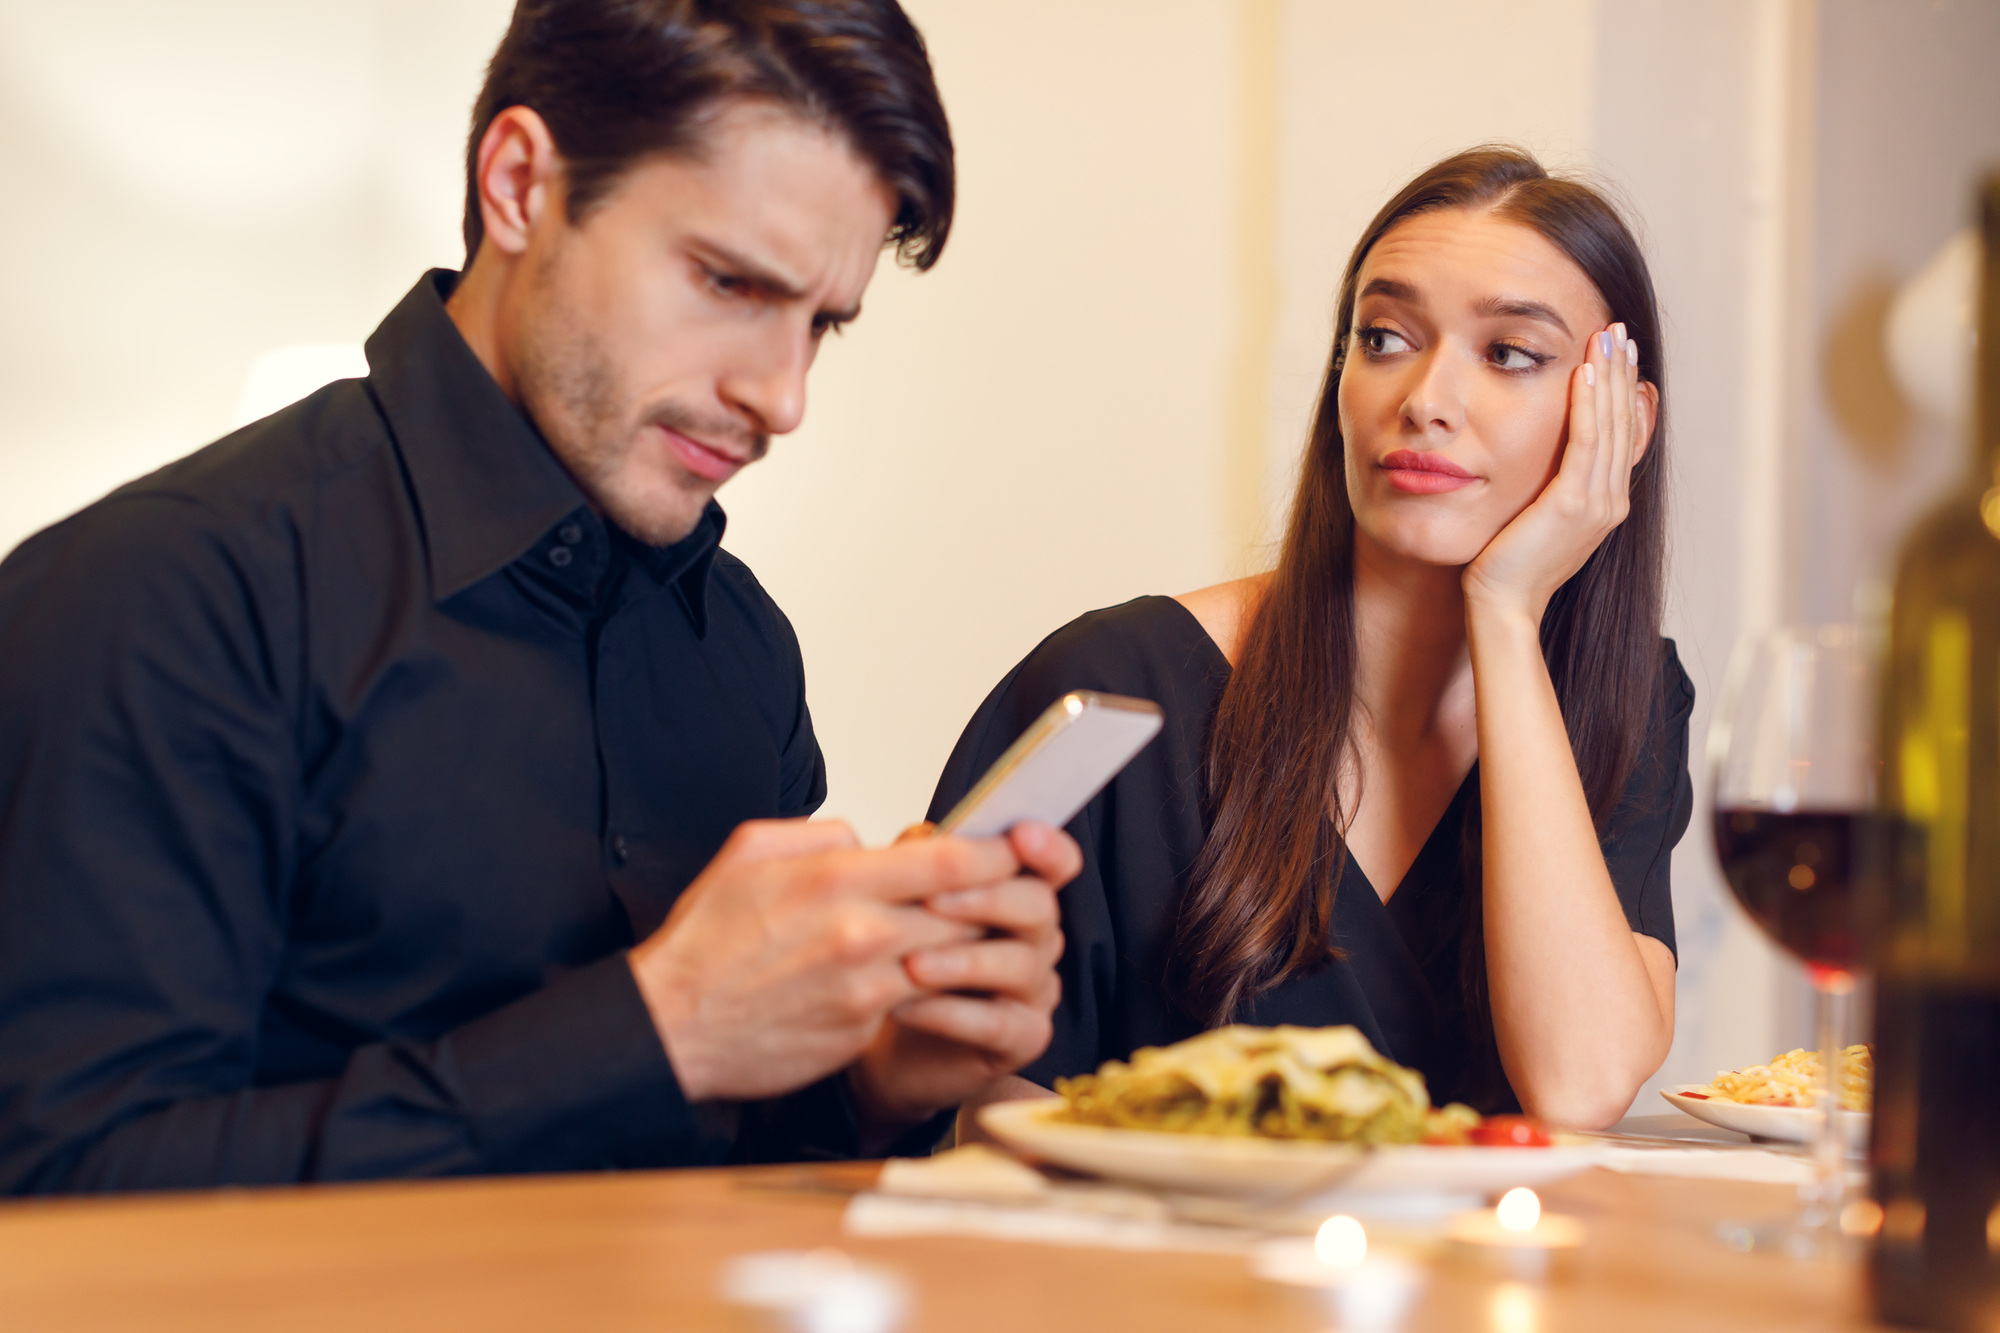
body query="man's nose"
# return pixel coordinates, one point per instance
(767, 384)
(1436, 400)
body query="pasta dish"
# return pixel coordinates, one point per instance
(1281, 1082)
(1788, 1081)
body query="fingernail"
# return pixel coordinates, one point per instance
(1604, 342)
(1632, 353)
(958, 900)
(1590, 374)
(1619, 330)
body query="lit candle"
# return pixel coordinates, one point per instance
(1340, 1242)
(1516, 1236)
(1369, 1293)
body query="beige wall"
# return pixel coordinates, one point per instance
(1908, 116)
(1101, 391)
(1372, 94)
(192, 184)
(1030, 430)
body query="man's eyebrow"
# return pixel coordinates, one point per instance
(1514, 305)
(770, 281)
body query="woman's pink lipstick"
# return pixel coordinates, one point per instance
(1424, 473)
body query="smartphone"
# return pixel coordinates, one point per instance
(1062, 760)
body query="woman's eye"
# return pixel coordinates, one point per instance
(1509, 357)
(1382, 342)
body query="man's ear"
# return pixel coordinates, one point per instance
(1649, 417)
(520, 177)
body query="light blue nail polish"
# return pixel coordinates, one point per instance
(1604, 342)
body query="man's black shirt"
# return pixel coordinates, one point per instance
(340, 762)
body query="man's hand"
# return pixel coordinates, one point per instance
(986, 1007)
(779, 963)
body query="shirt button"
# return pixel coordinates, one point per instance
(571, 533)
(619, 849)
(561, 556)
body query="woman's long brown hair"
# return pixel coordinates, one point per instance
(1259, 910)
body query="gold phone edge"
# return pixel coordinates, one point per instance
(1053, 718)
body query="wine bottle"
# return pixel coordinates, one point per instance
(1935, 1150)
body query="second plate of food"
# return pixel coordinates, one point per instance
(1243, 1166)
(1786, 1124)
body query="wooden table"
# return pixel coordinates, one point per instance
(642, 1251)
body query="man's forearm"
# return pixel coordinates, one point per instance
(569, 1077)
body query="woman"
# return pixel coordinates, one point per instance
(1424, 776)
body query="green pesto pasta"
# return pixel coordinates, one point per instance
(1281, 1082)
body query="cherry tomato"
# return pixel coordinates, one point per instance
(1509, 1131)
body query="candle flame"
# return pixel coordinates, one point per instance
(1341, 1243)
(1519, 1209)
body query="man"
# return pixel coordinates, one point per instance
(403, 785)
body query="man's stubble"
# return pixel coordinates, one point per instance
(569, 384)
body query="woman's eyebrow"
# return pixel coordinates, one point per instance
(1514, 305)
(1394, 290)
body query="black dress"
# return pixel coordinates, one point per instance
(1399, 977)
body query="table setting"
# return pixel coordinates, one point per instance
(1653, 1223)
(1354, 1232)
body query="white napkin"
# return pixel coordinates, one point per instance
(975, 1191)
(1052, 1223)
(972, 1172)
(1752, 1164)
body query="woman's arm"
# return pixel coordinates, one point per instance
(1583, 1008)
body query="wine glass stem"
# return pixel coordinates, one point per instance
(1830, 991)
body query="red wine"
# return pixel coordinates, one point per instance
(1935, 1157)
(1794, 874)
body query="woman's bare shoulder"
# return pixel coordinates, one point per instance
(1223, 610)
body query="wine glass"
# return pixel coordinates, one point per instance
(1792, 756)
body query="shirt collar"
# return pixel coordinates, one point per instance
(487, 487)
(686, 563)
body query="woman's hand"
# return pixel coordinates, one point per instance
(1610, 422)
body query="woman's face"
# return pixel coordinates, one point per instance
(1454, 399)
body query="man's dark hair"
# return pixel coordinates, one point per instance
(621, 80)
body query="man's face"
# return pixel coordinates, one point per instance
(662, 341)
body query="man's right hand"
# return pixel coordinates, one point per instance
(779, 962)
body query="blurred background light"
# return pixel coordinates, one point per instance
(1933, 333)
(280, 377)
(269, 112)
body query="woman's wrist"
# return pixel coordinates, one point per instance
(1504, 599)
(1496, 619)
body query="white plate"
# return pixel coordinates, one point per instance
(1792, 1124)
(1222, 1164)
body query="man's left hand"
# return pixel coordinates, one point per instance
(986, 1010)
